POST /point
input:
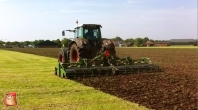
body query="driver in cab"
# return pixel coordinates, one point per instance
(89, 34)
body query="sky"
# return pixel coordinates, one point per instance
(29, 20)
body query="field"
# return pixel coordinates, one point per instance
(175, 88)
(37, 88)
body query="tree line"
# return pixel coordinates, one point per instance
(64, 42)
(34, 43)
(133, 42)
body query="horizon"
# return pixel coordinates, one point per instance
(115, 40)
(158, 20)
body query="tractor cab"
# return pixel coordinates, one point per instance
(88, 31)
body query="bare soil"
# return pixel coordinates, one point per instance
(175, 88)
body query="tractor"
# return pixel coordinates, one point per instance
(88, 54)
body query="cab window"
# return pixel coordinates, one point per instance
(78, 32)
(91, 33)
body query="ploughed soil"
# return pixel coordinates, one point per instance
(175, 88)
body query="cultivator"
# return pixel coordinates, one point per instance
(104, 65)
(91, 55)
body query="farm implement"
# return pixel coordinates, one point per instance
(88, 54)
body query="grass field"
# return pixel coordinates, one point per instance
(37, 88)
(173, 89)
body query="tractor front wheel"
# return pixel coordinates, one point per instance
(62, 55)
(74, 53)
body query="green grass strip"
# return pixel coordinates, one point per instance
(32, 78)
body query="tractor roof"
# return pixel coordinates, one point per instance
(83, 25)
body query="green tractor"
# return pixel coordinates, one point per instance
(89, 54)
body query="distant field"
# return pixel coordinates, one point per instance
(175, 88)
(37, 88)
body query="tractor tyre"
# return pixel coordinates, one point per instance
(75, 53)
(63, 56)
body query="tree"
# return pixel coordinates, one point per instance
(65, 42)
(130, 41)
(152, 40)
(35, 43)
(39, 41)
(1, 43)
(21, 44)
(58, 42)
(117, 39)
(16, 44)
(26, 43)
(138, 42)
(144, 40)
(7, 44)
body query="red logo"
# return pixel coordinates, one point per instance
(10, 100)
